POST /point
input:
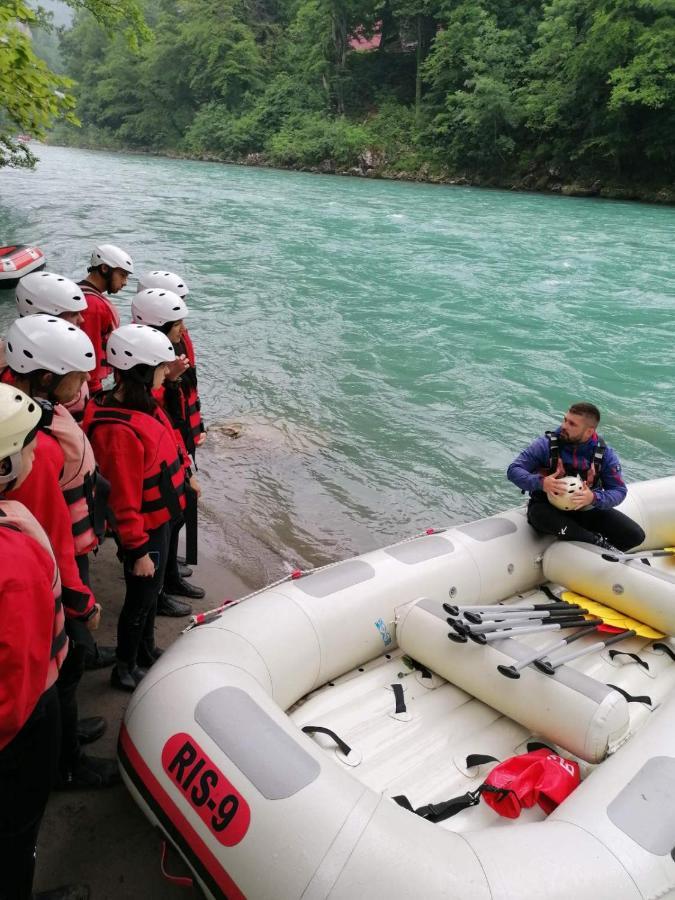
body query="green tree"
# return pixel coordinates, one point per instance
(32, 96)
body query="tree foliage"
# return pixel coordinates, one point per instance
(477, 86)
(32, 96)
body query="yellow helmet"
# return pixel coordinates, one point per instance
(19, 420)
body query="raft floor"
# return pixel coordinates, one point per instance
(425, 758)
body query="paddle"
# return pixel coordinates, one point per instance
(525, 619)
(645, 554)
(514, 670)
(548, 667)
(527, 629)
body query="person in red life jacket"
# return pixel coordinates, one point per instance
(165, 311)
(138, 451)
(575, 457)
(49, 359)
(194, 424)
(33, 646)
(108, 272)
(56, 295)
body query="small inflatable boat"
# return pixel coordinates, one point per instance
(270, 740)
(17, 261)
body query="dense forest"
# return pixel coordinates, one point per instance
(563, 94)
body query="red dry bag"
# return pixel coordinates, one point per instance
(538, 777)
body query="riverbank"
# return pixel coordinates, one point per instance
(372, 164)
(101, 838)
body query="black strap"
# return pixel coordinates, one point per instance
(643, 698)
(413, 664)
(439, 812)
(633, 656)
(319, 729)
(191, 526)
(168, 495)
(538, 745)
(598, 456)
(479, 759)
(666, 649)
(553, 450)
(100, 512)
(549, 593)
(153, 480)
(399, 698)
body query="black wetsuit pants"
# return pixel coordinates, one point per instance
(619, 530)
(136, 624)
(27, 769)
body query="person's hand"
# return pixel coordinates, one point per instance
(196, 486)
(552, 485)
(144, 567)
(582, 497)
(94, 620)
(175, 369)
(200, 440)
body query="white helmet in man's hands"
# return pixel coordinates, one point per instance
(46, 292)
(168, 281)
(19, 418)
(47, 342)
(156, 307)
(136, 345)
(572, 484)
(110, 255)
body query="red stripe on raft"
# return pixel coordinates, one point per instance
(197, 845)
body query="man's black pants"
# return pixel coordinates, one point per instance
(617, 528)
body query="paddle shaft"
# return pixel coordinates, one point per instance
(452, 610)
(528, 629)
(542, 652)
(515, 621)
(584, 651)
(646, 554)
(494, 615)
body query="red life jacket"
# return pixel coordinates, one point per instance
(193, 405)
(99, 319)
(34, 643)
(163, 473)
(79, 479)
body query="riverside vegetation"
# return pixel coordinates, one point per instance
(576, 96)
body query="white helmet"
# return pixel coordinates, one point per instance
(47, 342)
(19, 418)
(134, 345)
(157, 307)
(110, 255)
(168, 281)
(572, 484)
(45, 292)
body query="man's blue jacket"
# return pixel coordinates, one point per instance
(526, 469)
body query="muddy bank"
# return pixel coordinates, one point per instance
(101, 838)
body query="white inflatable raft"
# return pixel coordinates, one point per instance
(212, 747)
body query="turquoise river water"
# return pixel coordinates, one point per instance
(384, 349)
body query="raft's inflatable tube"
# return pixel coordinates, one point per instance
(17, 261)
(576, 712)
(259, 810)
(644, 593)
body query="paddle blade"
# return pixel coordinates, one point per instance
(612, 617)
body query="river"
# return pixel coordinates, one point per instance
(384, 349)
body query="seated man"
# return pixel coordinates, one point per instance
(587, 514)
